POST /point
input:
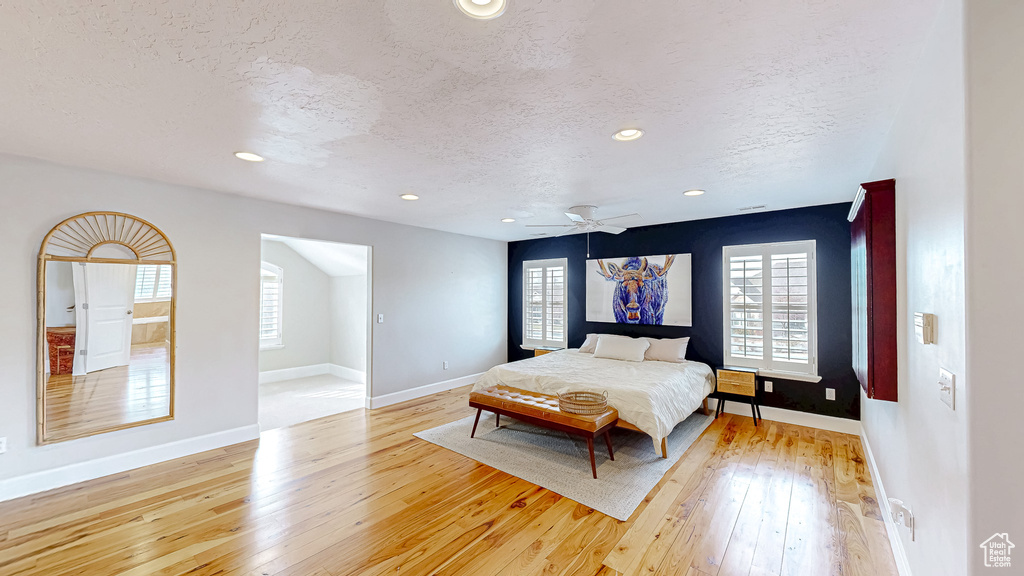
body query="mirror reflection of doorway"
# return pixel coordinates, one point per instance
(108, 332)
(314, 322)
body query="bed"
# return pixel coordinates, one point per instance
(651, 396)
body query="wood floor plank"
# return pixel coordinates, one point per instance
(357, 494)
(771, 535)
(703, 541)
(646, 546)
(740, 551)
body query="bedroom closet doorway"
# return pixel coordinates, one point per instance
(314, 329)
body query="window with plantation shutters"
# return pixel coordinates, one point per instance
(770, 308)
(544, 313)
(271, 305)
(153, 282)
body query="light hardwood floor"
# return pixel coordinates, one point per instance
(357, 494)
(104, 399)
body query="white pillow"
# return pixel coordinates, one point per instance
(619, 348)
(590, 344)
(667, 349)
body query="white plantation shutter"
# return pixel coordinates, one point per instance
(163, 285)
(544, 313)
(746, 307)
(533, 304)
(153, 282)
(770, 307)
(145, 281)
(271, 304)
(790, 307)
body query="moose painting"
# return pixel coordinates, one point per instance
(640, 290)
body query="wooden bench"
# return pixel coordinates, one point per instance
(542, 410)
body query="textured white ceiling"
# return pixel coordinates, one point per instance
(332, 258)
(775, 102)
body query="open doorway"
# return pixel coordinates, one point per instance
(314, 325)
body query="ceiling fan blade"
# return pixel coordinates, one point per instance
(575, 217)
(610, 229)
(550, 226)
(573, 230)
(634, 215)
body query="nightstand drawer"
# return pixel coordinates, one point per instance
(736, 382)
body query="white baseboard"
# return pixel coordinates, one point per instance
(73, 473)
(347, 373)
(420, 391)
(270, 376)
(283, 374)
(898, 552)
(796, 417)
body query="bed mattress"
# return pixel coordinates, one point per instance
(653, 396)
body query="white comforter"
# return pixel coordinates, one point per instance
(653, 396)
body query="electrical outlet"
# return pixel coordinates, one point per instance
(380, 318)
(3, 445)
(444, 365)
(767, 385)
(830, 393)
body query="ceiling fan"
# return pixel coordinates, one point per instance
(583, 221)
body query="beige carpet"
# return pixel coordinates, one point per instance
(560, 462)
(291, 402)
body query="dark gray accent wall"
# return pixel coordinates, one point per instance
(704, 239)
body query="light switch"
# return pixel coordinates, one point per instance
(947, 388)
(380, 318)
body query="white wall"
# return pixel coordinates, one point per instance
(919, 444)
(444, 297)
(995, 271)
(306, 329)
(60, 294)
(348, 321)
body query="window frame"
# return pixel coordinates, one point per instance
(278, 341)
(160, 270)
(545, 265)
(767, 365)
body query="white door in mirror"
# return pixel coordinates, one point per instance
(104, 298)
(947, 388)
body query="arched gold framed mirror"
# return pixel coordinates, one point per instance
(106, 295)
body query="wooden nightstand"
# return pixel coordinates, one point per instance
(543, 351)
(739, 382)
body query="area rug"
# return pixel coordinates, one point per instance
(560, 462)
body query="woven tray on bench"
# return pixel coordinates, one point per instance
(583, 403)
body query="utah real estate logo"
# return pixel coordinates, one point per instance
(997, 550)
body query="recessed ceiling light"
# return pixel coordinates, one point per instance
(482, 9)
(693, 193)
(248, 156)
(628, 134)
(409, 197)
(508, 220)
